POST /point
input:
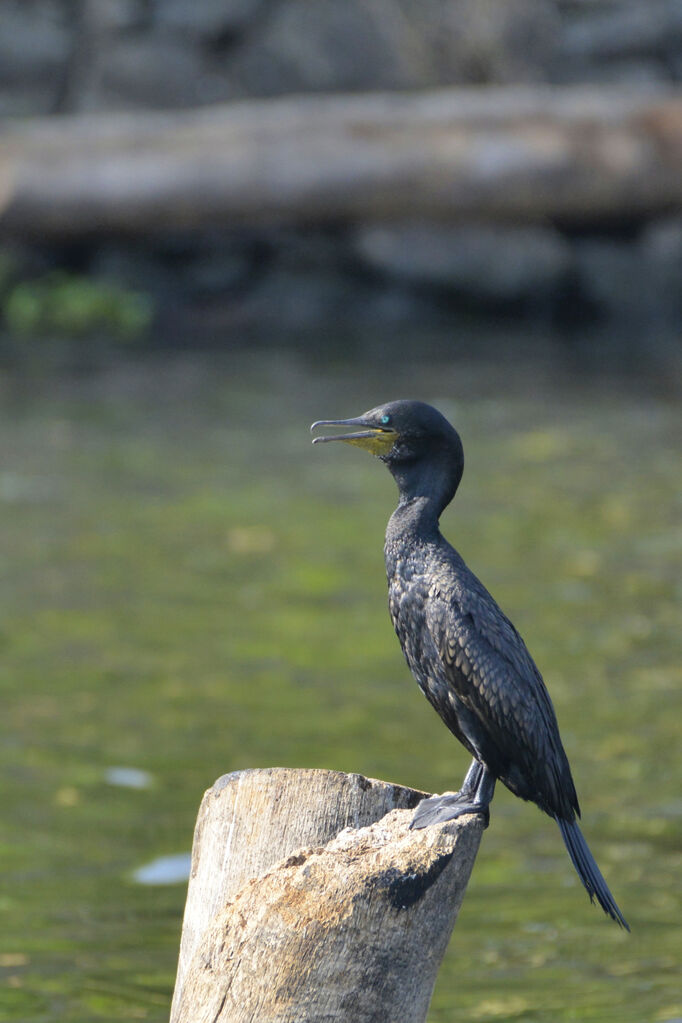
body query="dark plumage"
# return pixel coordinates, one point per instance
(467, 657)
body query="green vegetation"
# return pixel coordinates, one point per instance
(189, 588)
(69, 305)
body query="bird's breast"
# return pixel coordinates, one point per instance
(408, 596)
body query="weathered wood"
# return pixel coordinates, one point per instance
(524, 154)
(310, 899)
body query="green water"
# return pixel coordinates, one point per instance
(189, 588)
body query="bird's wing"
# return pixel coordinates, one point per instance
(490, 670)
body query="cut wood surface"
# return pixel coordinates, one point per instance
(521, 154)
(310, 899)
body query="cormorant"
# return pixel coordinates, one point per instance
(467, 657)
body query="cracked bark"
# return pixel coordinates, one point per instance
(311, 900)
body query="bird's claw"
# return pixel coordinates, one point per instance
(438, 809)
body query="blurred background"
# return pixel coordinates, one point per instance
(220, 220)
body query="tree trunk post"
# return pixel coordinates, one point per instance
(311, 900)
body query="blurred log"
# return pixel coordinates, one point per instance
(311, 899)
(524, 154)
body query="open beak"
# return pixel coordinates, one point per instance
(376, 439)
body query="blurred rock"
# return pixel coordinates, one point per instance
(133, 267)
(396, 44)
(180, 271)
(287, 297)
(163, 53)
(661, 249)
(634, 280)
(622, 42)
(296, 280)
(633, 71)
(34, 41)
(28, 100)
(331, 46)
(490, 264)
(612, 278)
(208, 19)
(662, 241)
(157, 71)
(35, 44)
(490, 40)
(626, 30)
(218, 272)
(117, 15)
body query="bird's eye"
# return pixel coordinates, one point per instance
(385, 420)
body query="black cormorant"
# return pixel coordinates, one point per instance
(467, 657)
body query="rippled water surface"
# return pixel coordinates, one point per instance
(189, 588)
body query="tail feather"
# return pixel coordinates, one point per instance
(588, 871)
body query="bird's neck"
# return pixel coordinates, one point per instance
(425, 488)
(414, 517)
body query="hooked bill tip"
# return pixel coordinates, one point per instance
(318, 422)
(328, 422)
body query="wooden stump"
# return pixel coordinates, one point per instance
(311, 900)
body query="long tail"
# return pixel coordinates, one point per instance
(588, 871)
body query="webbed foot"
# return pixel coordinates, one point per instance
(437, 809)
(474, 797)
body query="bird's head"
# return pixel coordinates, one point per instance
(419, 446)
